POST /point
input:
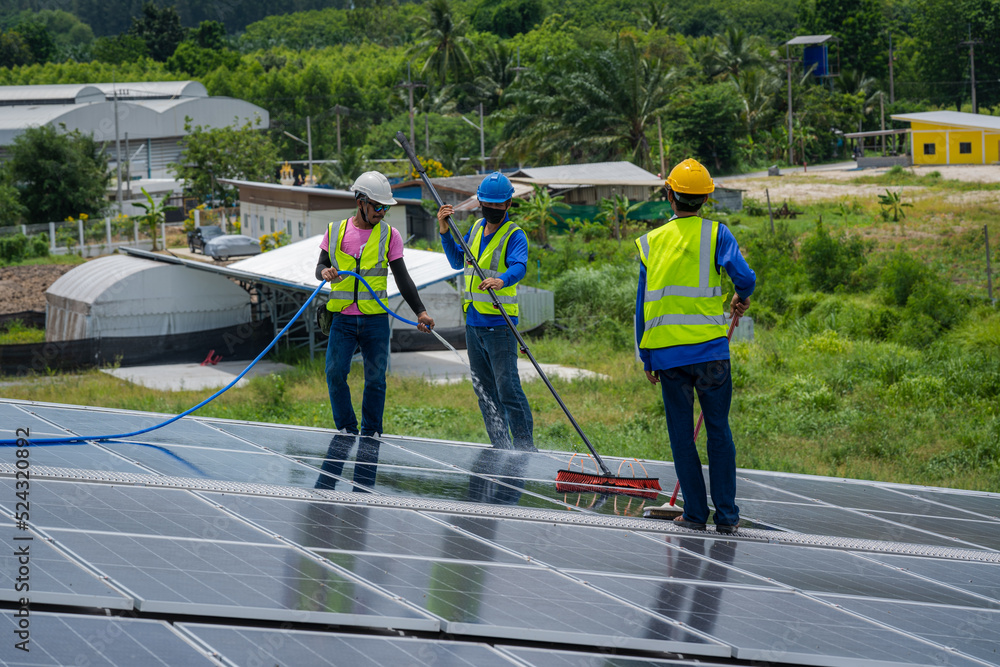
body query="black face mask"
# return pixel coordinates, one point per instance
(494, 216)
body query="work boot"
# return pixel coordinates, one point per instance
(684, 523)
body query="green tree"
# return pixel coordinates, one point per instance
(738, 52)
(210, 35)
(210, 154)
(155, 214)
(507, 17)
(598, 107)
(442, 41)
(654, 15)
(615, 212)
(196, 61)
(14, 52)
(119, 50)
(536, 214)
(859, 24)
(351, 163)
(706, 119)
(11, 209)
(57, 174)
(159, 28)
(37, 39)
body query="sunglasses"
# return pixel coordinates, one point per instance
(378, 208)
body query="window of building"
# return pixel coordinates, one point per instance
(302, 230)
(930, 149)
(247, 228)
(288, 227)
(965, 147)
(272, 225)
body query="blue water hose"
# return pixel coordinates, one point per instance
(83, 439)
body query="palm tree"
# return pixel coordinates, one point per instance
(351, 163)
(737, 51)
(655, 16)
(443, 40)
(449, 152)
(757, 89)
(600, 108)
(856, 82)
(705, 54)
(536, 214)
(496, 74)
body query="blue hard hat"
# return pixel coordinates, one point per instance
(495, 189)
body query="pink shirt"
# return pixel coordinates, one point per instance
(354, 241)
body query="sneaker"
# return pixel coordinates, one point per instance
(726, 530)
(684, 523)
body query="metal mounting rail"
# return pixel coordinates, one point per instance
(7, 470)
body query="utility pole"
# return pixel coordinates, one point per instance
(310, 179)
(892, 81)
(663, 162)
(881, 109)
(519, 69)
(482, 136)
(971, 43)
(411, 85)
(118, 151)
(340, 111)
(788, 60)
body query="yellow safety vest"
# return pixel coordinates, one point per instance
(682, 304)
(373, 265)
(489, 262)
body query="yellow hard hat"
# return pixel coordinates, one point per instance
(690, 178)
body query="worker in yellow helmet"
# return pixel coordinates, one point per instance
(680, 326)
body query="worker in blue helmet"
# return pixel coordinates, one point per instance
(501, 248)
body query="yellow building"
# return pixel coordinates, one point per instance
(953, 137)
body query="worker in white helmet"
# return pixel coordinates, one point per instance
(368, 246)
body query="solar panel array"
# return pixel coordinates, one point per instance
(229, 543)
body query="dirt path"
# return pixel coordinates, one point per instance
(23, 287)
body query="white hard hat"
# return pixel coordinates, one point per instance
(375, 186)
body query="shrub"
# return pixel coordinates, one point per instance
(899, 276)
(829, 262)
(779, 276)
(598, 299)
(13, 248)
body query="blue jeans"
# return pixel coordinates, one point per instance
(493, 362)
(371, 333)
(714, 384)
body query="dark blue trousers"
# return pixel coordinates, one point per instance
(714, 384)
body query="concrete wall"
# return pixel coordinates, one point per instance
(948, 142)
(882, 162)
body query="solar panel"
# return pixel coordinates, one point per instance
(52, 578)
(527, 603)
(973, 632)
(379, 530)
(255, 525)
(238, 580)
(98, 641)
(257, 646)
(127, 509)
(773, 626)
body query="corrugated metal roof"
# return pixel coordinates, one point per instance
(810, 39)
(154, 89)
(67, 93)
(958, 118)
(597, 173)
(295, 264)
(520, 192)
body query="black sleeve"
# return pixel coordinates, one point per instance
(323, 263)
(406, 287)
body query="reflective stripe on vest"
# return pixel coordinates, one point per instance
(682, 304)
(489, 263)
(373, 266)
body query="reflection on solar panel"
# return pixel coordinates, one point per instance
(229, 543)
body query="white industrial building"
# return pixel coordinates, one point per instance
(150, 117)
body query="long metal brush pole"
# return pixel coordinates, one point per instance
(473, 260)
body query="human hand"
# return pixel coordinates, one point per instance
(738, 307)
(491, 283)
(652, 377)
(425, 322)
(330, 274)
(442, 217)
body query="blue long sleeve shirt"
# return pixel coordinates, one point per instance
(517, 266)
(727, 256)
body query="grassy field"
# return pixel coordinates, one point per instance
(850, 380)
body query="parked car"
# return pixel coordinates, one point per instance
(202, 235)
(224, 247)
